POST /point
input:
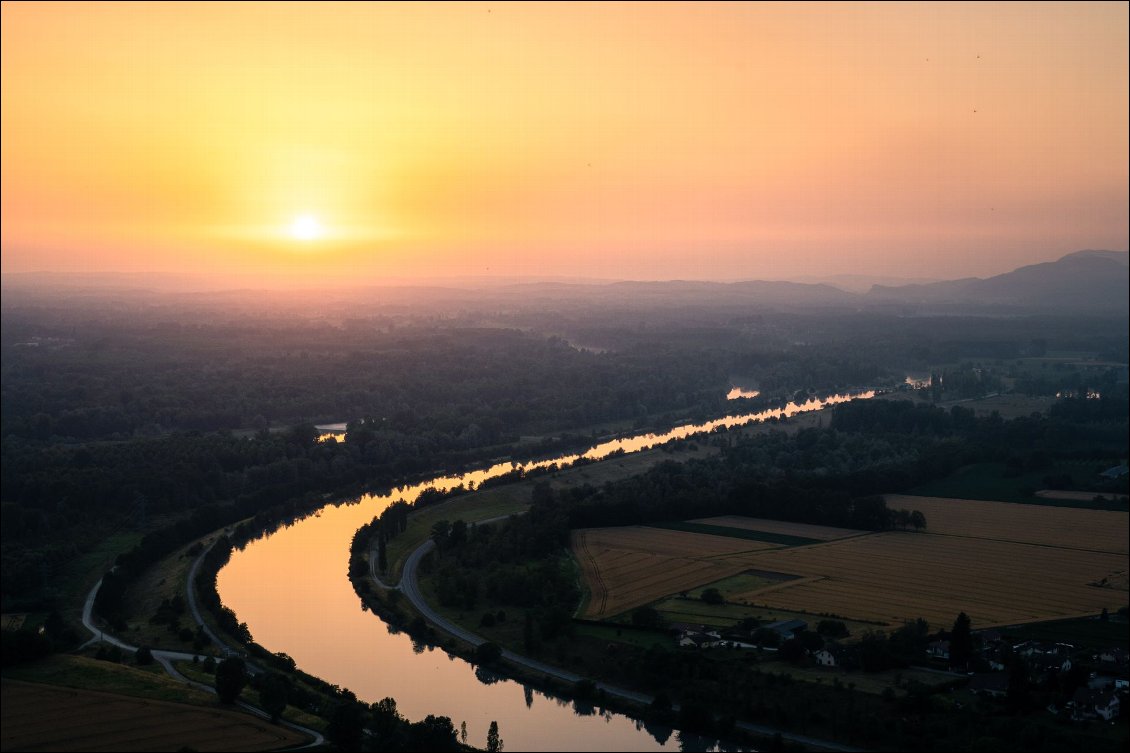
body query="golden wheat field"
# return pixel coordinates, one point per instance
(824, 533)
(897, 576)
(632, 566)
(1100, 530)
(1000, 563)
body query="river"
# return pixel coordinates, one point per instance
(293, 591)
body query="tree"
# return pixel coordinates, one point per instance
(712, 596)
(529, 639)
(917, 519)
(382, 553)
(488, 653)
(647, 617)
(494, 742)
(273, 694)
(458, 533)
(441, 529)
(231, 677)
(961, 642)
(346, 728)
(832, 629)
(143, 656)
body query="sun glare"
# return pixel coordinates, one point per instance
(306, 227)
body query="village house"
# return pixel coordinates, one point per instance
(939, 649)
(1092, 704)
(697, 636)
(825, 658)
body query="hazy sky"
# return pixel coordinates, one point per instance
(613, 141)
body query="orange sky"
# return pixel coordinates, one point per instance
(728, 141)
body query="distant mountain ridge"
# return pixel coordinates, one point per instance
(1082, 281)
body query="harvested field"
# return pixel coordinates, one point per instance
(46, 717)
(893, 577)
(1093, 530)
(804, 530)
(1081, 496)
(632, 566)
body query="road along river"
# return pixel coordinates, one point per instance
(293, 591)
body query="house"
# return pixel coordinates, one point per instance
(825, 658)
(990, 638)
(701, 636)
(1117, 471)
(995, 658)
(939, 649)
(992, 684)
(1116, 656)
(1091, 704)
(788, 628)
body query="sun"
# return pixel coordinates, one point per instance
(306, 227)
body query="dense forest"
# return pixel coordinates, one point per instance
(134, 416)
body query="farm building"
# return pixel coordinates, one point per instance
(787, 628)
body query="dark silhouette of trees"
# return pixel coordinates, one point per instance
(961, 642)
(231, 678)
(274, 691)
(494, 742)
(712, 596)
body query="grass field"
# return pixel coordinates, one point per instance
(696, 611)
(749, 534)
(91, 674)
(737, 588)
(631, 566)
(1097, 530)
(484, 505)
(1088, 632)
(638, 638)
(46, 717)
(823, 533)
(874, 683)
(164, 580)
(989, 481)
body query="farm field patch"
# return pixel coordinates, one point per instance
(44, 717)
(1099, 530)
(994, 482)
(631, 566)
(896, 576)
(1079, 496)
(783, 527)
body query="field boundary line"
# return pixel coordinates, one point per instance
(1023, 543)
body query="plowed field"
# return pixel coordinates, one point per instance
(49, 717)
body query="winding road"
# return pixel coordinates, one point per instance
(166, 658)
(410, 587)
